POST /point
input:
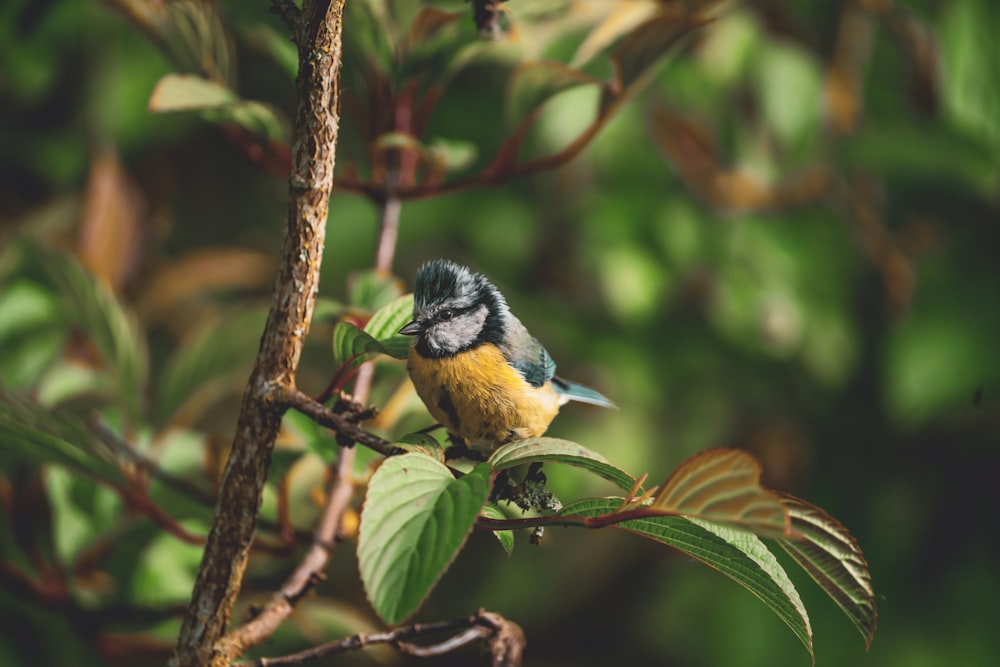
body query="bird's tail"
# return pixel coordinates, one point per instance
(572, 391)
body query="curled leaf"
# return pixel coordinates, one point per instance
(830, 554)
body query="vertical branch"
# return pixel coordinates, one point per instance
(318, 34)
(310, 568)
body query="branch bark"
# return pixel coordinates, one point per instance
(318, 36)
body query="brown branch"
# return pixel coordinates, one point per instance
(480, 626)
(308, 573)
(310, 183)
(341, 424)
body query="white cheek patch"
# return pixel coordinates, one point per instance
(458, 333)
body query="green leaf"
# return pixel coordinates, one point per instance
(907, 152)
(452, 154)
(421, 443)
(187, 92)
(83, 512)
(35, 434)
(381, 334)
(971, 60)
(533, 450)
(624, 18)
(397, 347)
(637, 54)
(416, 518)
(32, 329)
(352, 345)
(166, 569)
(505, 537)
(113, 330)
(739, 555)
(832, 557)
(390, 318)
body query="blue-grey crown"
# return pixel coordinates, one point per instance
(442, 283)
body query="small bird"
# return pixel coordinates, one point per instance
(475, 366)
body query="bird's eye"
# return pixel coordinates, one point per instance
(446, 314)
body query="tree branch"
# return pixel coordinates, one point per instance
(310, 183)
(306, 575)
(324, 416)
(310, 570)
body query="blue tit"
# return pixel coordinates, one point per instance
(475, 366)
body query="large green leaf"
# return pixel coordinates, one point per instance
(416, 518)
(739, 555)
(830, 554)
(534, 450)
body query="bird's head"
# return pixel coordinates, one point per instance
(454, 309)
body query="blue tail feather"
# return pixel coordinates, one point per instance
(578, 392)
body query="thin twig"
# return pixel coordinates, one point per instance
(130, 453)
(448, 645)
(484, 624)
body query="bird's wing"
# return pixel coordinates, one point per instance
(527, 355)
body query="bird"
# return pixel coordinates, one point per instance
(476, 367)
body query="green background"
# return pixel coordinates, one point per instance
(864, 374)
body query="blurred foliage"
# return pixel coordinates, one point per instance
(782, 237)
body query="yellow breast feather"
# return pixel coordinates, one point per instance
(477, 395)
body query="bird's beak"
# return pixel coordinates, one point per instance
(411, 329)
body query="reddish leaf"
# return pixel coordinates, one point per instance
(723, 486)
(112, 222)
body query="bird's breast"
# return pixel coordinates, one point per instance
(479, 396)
